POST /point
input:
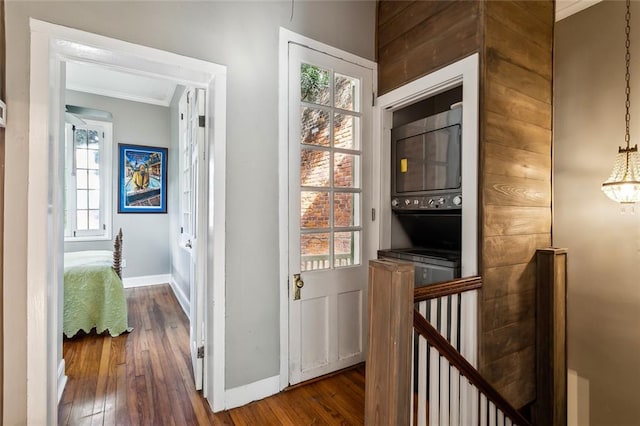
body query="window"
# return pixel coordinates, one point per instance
(88, 180)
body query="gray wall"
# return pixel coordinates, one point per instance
(145, 236)
(180, 258)
(243, 36)
(604, 260)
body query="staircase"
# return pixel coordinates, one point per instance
(422, 356)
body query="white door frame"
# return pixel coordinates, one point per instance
(287, 37)
(50, 46)
(465, 72)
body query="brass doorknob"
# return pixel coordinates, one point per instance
(298, 284)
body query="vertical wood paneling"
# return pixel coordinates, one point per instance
(515, 176)
(515, 41)
(418, 37)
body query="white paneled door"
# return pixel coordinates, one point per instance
(330, 212)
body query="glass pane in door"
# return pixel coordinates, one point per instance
(345, 131)
(314, 126)
(347, 92)
(315, 253)
(346, 207)
(346, 170)
(346, 248)
(330, 193)
(315, 84)
(314, 209)
(314, 168)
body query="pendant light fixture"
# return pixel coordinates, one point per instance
(623, 186)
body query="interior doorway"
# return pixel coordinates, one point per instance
(52, 47)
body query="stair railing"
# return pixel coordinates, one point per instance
(439, 394)
(427, 377)
(449, 368)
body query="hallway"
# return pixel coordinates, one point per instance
(145, 378)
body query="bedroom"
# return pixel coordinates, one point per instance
(122, 108)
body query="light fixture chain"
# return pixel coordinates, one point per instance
(627, 76)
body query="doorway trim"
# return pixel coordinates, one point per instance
(289, 37)
(465, 72)
(50, 45)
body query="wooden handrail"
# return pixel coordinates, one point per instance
(446, 288)
(435, 339)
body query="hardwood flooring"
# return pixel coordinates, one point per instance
(145, 378)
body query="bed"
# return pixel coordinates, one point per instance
(93, 292)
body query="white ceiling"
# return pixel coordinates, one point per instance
(98, 80)
(566, 8)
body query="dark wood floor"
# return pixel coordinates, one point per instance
(145, 378)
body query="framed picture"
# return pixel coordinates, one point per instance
(142, 179)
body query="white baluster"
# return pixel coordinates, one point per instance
(465, 418)
(468, 327)
(508, 422)
(474, 398)
(413, 403)
(492, 414)
(444, 365)
(483, 410)
(455, 374)
(455, 325)
(422, 372)
(500, 418)
(434, 372)
(469, 350)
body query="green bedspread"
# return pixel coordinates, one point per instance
(93, 294)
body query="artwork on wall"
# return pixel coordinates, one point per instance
(142, 179)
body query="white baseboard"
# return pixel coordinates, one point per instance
(183, 300)
(62, 379)
(145, 280)
(242, 395)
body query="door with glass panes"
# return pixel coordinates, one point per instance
(192, 181)
(329, 211)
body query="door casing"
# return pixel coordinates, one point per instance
(51, 46)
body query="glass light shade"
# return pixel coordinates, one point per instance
(623, 186)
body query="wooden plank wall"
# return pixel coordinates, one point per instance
(515, 186)
(415, 38)
(515, 41)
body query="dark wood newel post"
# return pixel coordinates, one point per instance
(551, 337)
(388, 384)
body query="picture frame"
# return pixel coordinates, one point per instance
(142, 179)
